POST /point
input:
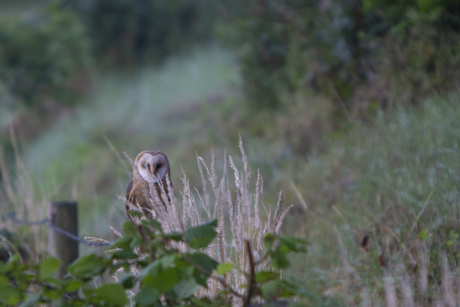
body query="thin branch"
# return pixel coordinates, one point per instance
(252, 275)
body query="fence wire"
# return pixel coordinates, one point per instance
(12, 217)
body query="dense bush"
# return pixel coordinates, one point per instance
(334, 46)
(43, 59)
(126, 32)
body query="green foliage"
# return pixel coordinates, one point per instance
(224, 268)
(201, 236)
(129, 32)
(43, 60)
(332, 47)
(164, 272)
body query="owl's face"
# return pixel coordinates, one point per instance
(152, 166)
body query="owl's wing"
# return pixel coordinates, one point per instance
(129, 194)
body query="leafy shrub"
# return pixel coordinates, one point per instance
(171, 268)
(43, 59)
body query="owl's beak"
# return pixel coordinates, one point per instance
(152, 170)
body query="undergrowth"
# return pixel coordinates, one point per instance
(383, 201)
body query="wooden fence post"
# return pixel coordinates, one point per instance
(64, 215)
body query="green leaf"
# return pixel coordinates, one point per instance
(279, 260)
(112, 294)
(10, 295)
(31, 300)
(273, 290)
(262, 277)
(130, 228)
(122, 242)
(205, 264)
(156, 225)
(224, 268)
(268, 240)
(295, 244)
(200, 236)
(167, 261)
(2, 267)
(128, 281)
(153, 268)
(186, 288)
(136, 241)
(87, 266)
(52, 294)
(164, 281)
(175, 236)
(12, 262)
(73, 286)
(124, 254)
(147, 297)
(203, 261)
(4, 281)
(49, 266)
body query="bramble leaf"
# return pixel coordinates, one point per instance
(164, 281)
(186, 288)
(112, 294)
(200, 236)
(224, 268)
(262, 276)
(86, 267)
(10, 295)
(147, 296)
(31, 300)
(49, 266)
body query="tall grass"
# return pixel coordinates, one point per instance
(20, 194)
(395, 181)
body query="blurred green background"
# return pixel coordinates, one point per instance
(348, 106)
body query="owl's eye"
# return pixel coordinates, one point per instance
(144, 165)
(148, 166)
(158, 167)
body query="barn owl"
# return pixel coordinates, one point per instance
(150, 170)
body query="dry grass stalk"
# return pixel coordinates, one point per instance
(22, 197)
(447, 290)
(238, 208)
(390, 292)
(366, 297)
(423, 273)
(96, 240)
(406, 289)
(348, 270)
(116, 232)
(118, 154)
